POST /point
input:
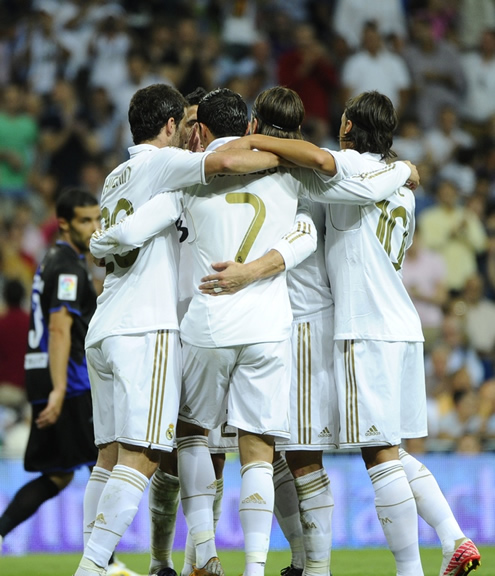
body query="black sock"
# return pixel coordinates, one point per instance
(25, 503)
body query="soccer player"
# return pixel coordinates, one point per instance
(211, 348)
(132, 344)
(279, 112)
(63, 301)
(378, 343)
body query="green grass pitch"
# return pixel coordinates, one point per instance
(362, 562)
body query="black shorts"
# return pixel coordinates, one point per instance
(68, 444)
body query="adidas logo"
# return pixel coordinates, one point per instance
(373, 431)
(325, 433)
(212, 486)
(309, 525)
(186, 409)
(254, 499)
(101, 519)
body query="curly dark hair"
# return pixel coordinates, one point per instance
(224, 112)
(151, 108)
(374, 121)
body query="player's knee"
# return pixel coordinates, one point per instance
(61, 480)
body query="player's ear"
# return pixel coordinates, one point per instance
(254, 125)
(63, 224)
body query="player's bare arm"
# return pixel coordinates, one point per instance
(239, 162)
(59, 343)
(297, 152)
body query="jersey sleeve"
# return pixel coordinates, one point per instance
(350, 187)
(174, 169)
(136, 229)
(301, 241)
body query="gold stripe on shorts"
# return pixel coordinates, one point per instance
(158, 381)
(352, 413)
(303, 383)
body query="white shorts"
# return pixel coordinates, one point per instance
(314, 416)
(223, 439)
(135, 386)
(381, 391)
(251, 382)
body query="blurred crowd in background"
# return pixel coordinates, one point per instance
(68, 69)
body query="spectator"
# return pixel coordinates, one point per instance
(14, 326)
(350, 16)
(479, 321)
(454, 232)
(188, 64)
(464, 419)
(473, 17)
(106, 124)
(18, 142)
(376, 68)
(66, 139)
(478, 104)
(487, 412)
(438, 78)
(40, 56)
(424, 275)
(445, 137)
(308, 70)
(409, 144)
(462, 356)
(108, 51)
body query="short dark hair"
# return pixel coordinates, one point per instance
(195, 97)
(151, 108)
(280, 112)
(374, 121)
(224, 112)
(71, 198)
(14, 293)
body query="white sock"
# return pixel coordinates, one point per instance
(397, 513)
(189, 550)
(198, 488)
(89, 568)
(316, 506)
(163, 504)
(430, 501)
(189, 556)
(256, 513)
(286, 511)
(94, 488)
(118, 505)
(217, 502)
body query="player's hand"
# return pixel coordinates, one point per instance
(100, 262)
(49, 415)
(194, 141)
(229, 279)
(413, 181)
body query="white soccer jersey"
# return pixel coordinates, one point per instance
(365, 247)
(238, 218)
(309, 287)
(140, 289)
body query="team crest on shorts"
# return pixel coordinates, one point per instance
(170, 432)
